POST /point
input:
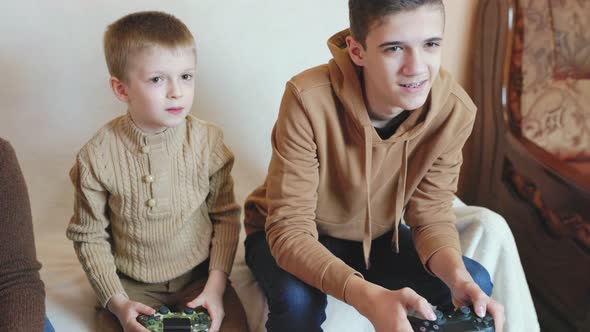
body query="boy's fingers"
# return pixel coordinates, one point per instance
(216, 319)
(215, 325)
(480, 306)
(496, 310)
(419, 304)
(195, 303)
(144, 309)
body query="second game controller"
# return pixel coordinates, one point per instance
(463, 319)
(165, 320)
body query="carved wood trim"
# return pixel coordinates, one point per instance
(561, 223)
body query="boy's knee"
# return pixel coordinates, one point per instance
(298, 308)
(480, 275)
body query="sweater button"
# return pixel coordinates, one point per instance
(148, 178)
(151, 202)
(145, 149)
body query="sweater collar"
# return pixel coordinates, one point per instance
(137, 141)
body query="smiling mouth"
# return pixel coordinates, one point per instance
(414, 85)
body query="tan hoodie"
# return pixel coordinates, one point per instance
(331, 174)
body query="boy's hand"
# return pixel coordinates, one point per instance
(212, 298)
(448, 265)
(467, 293)
(387, 310)
(127, 312)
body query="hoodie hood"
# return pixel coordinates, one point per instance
(345, 77)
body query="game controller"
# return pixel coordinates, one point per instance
(463, 319)
(165, 320)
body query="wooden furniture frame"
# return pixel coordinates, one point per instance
(545, 201)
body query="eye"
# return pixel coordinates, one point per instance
(187, 77)
(432, 44)
(394, 48)
(156, 79)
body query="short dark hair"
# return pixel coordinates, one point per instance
(139, 30)
(364, 13)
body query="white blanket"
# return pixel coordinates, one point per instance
(485, 237)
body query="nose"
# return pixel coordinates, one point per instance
(174, 90)
(414, 63)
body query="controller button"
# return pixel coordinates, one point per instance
(435, 327)
(423, 329)
(426, 323)
(189, 311)
(164, 310)
(439, 316)
(464, 311)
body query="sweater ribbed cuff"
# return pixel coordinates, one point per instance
(223, 252)
(335, 278)
(107, 288)
(433, 238)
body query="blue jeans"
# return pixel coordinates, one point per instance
(296, 306)
(48, 327)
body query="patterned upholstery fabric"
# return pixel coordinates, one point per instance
(555, 91)
(571, 29)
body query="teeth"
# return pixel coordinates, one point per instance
(412, 85)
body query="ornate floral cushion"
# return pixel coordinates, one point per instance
(571, 31)
(555, 99)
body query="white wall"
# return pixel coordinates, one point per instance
(55, 93)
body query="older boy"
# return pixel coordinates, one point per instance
(155, 219)
(359, 143)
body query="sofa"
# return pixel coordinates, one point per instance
(56, 96)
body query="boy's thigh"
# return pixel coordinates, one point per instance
(106, 321)
(284, 291)
(404, 269)
(396, 270)
(235, 316)
(151, 294)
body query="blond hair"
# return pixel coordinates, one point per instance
(140, 30)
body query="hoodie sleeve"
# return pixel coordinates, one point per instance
(292, 186)
(21, 290)
(430, 209)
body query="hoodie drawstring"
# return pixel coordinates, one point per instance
(368, 220)
(400, 196)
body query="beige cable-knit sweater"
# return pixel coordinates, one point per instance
(152, 206)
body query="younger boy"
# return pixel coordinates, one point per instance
(155, 219)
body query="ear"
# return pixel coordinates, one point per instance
(356, 51)
(119, 89)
